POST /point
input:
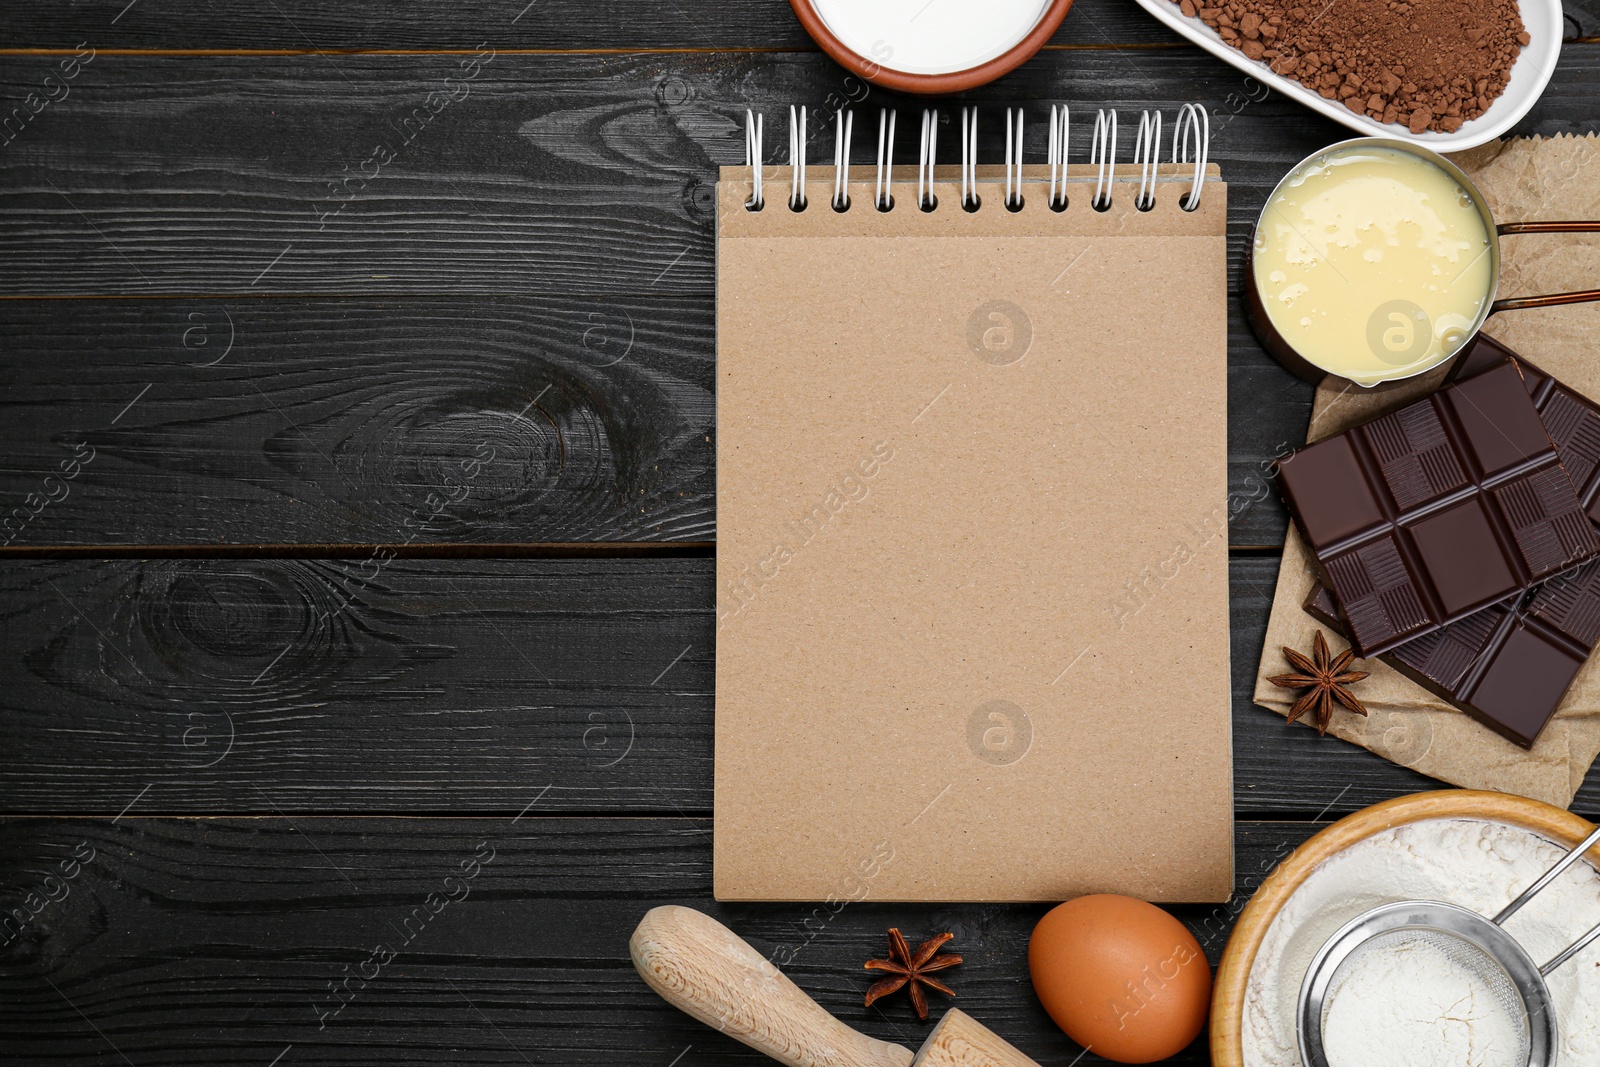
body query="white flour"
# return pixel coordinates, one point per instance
(1416, 998)
(1444, 1017)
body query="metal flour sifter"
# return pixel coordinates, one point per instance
(1479, 946)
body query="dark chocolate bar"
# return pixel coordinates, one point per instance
(1437, 510)
(1509, 665)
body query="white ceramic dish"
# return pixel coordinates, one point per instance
(1529, 76)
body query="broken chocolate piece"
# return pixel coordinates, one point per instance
(1507, 666)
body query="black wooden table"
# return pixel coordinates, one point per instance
(358, 426)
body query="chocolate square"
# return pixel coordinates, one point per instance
(1574, 426)
(1414, 454)
(1571, 605)
(1571, 419)
(1528, 676)
(1548, 531)
(1378, 592)
(1498, 419)
(1349, 506)
(1464, 562)
(1448, 655)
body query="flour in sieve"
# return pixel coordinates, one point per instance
(1413, 1005)
(1474, 863)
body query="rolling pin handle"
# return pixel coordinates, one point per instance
(706, 970)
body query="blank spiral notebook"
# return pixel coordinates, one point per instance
(972, 599)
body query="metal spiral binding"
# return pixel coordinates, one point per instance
(752, 159)
(1191, 144)
(797, 159)
(882, 196)
(969, 160)
(1013, 198)
(1057, 157)
(1192, 118)
(843, 129)
(1103, 157)
(1147, 157)
(930, 143)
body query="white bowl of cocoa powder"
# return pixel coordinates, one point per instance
(1448, 74)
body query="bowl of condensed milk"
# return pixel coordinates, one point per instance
(1376, 259)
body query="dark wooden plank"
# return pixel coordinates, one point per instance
(364, 25)
(367, 25)
(356, 685)
(1584, 16)
(1268, 409)
(556, 174)
(349, 421)
(445, 686)
(216, 941)
(305, 421)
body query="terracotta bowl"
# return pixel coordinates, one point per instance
(930, 84)
(1227, 1005)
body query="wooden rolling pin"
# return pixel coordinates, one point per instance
(701, 967)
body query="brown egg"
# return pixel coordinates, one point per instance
(1121, 977)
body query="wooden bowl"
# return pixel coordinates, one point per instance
(1233, 973)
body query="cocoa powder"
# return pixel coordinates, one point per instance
(1425, 64)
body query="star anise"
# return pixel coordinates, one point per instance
(911, 970)
(1324, 682)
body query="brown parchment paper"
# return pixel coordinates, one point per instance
(1523, 180)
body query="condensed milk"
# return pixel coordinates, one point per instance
(1373, 263)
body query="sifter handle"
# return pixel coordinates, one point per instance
(1572, 950)
(1549, 876)
(701, 967)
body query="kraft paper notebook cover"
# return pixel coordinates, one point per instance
(972, 601)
